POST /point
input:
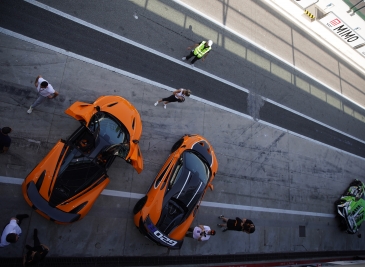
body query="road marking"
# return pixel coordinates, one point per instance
(171, 89)
(115, 193)
(150, 50)
(179, 2)
(123, 39)
(11, 180)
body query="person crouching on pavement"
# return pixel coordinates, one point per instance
(244, 225)
(12, 231)
(36, 253)
(200, 232)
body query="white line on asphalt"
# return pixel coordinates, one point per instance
(265, 50)
(115, 193)
(142, 79)
(121, 38)
(150, 50)
(11, 180)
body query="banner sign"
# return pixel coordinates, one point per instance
(338, 27)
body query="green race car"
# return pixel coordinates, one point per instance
(351, 207)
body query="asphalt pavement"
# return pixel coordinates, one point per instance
(269, 166)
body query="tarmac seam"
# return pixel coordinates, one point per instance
(115, 193)
(94, 27)
(148, 81)
(265, 50)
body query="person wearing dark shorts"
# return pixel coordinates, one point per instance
(244, 225)
(177, 96)
(36, 253)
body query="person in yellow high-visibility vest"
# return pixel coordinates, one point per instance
(199, 51)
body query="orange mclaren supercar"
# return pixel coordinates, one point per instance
(166, 212)
(66, 183)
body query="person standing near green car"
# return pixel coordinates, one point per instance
(199, 51)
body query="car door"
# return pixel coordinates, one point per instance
(135, 157)
(81, 111)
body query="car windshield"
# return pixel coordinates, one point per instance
(111, 132)
(196, 165)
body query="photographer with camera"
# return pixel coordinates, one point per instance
(244, 225)
(200, 232)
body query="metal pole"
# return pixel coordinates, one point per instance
(348, 11)
(357, 10)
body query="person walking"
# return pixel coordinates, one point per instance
(5, 139)
(199, 51)
(238, 224)
(12, 231)
(177, 96)
(200, 232)
(36, 253)
(45, 90)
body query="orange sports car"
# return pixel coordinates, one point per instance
(166, 212)
(66, 183)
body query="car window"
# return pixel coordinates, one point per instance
(74, 157)
(197, 166)
(123, 150)
(158, 180)
(176, 173)
(111, 130)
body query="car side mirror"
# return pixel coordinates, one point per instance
(211, 187)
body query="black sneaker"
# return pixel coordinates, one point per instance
(220, 216)
(225, 229)
(219, 225)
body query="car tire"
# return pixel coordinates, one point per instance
(139, 205)
(343, 225)
(355, 183)
(337, 202)
(177, 145)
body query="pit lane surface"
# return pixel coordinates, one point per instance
(68, 35)
(259, 165)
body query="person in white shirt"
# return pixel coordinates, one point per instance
(45, 90)
(12, 231)
(200, 232)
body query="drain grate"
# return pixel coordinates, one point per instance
(301, 231)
